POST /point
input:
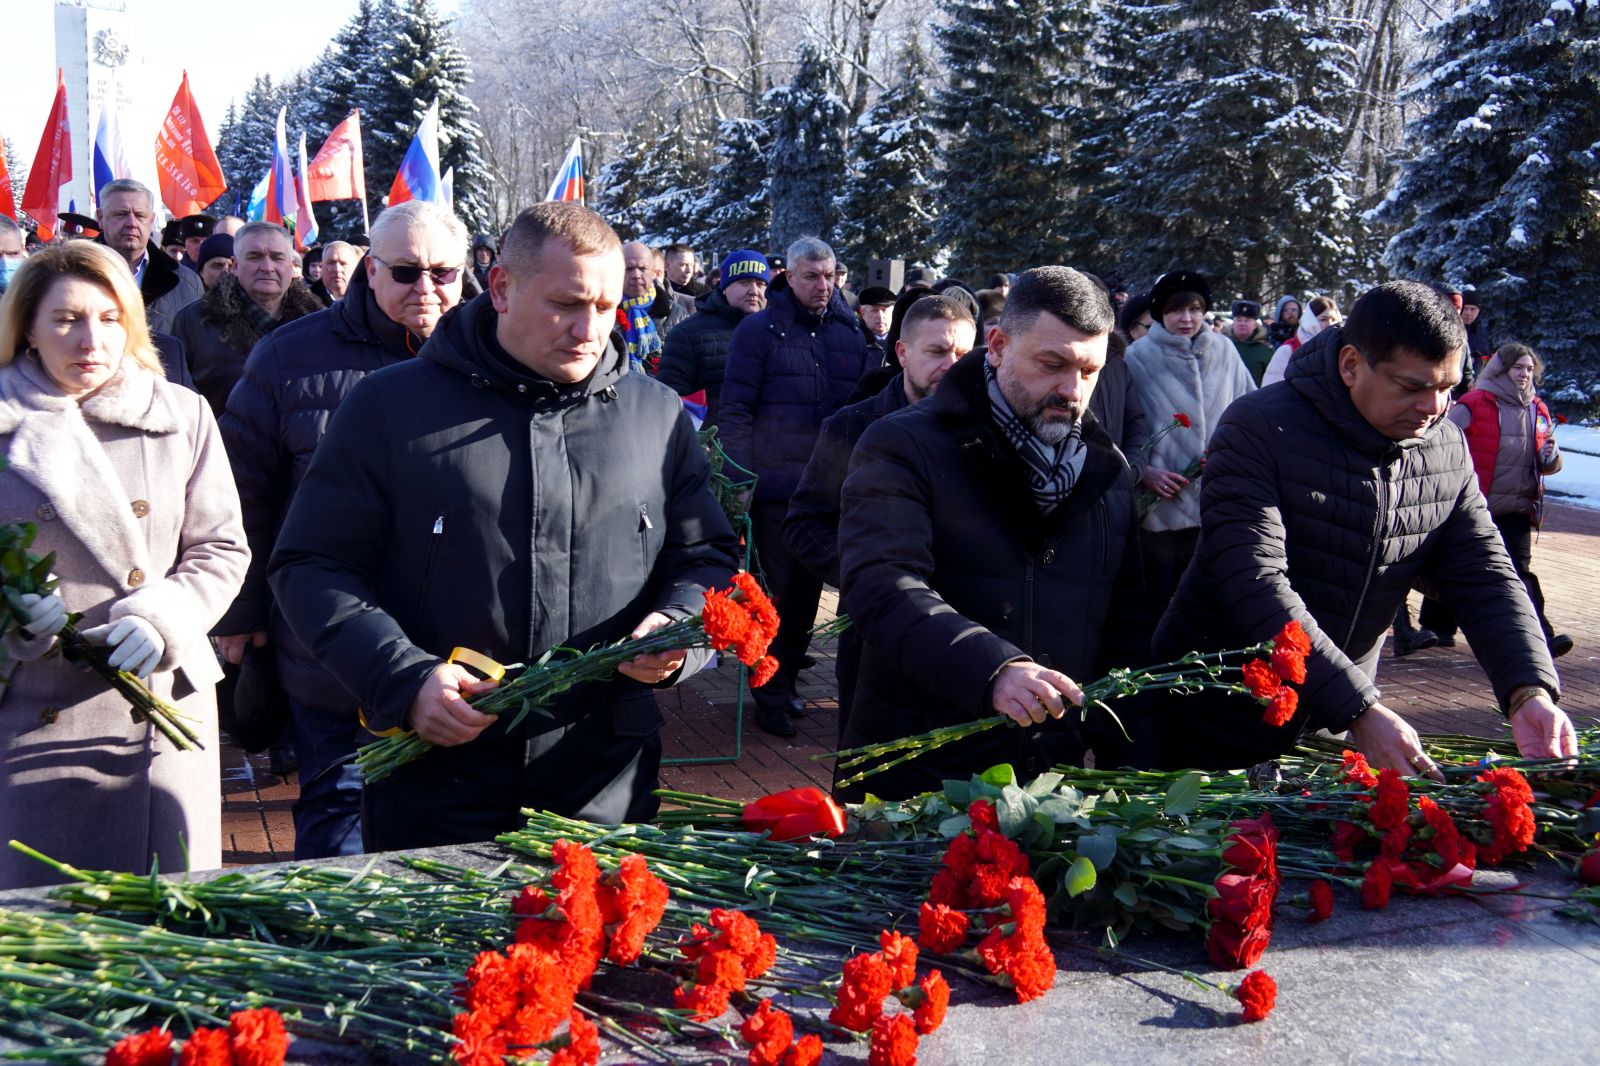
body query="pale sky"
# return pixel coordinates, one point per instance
(165, 37)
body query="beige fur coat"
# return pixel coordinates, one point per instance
(133, 492)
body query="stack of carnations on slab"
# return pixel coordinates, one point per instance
(871, 979)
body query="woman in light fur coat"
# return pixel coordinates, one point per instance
(1180, 367)
(125, 477)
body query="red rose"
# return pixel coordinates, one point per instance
(1233, 947)
(1243, 901)
(983, 816)
(1259, 994)
(795, 814)
(1252, 848)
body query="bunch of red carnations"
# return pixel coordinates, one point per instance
(1269, 679)
(870, 979)
(253, 1038)
(516, 1000)
(724, 956)
(986, 873)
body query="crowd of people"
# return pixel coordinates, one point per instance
(336, 465)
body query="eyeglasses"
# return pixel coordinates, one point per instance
(409, 274)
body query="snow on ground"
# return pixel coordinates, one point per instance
(1579, 480)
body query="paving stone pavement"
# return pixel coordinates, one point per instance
(1441, 690)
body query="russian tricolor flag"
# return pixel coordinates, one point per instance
(281, 206)
(110, 159)
(418, 176)
(569, 179)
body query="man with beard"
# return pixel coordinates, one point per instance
(987, 549)
(936, 333)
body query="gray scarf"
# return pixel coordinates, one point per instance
(1053, 469)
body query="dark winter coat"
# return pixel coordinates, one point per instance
(459, 500)
(1116, 406)
(669, 309)
(811, 528)
(218, 333)
(950, 572)
(788, 369)
(695, 355)
(167, 288)
(1308, 513)
(174, 361)
(1256, 352)
(276, 416)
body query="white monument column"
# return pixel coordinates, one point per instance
(91, 50)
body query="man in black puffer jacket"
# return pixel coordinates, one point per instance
(937, 332)
(1325, 498)
(695, 355)
(987, 549)
(511, 490)
(789, 367)
(277, 414)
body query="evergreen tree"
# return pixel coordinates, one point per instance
(336, 85)
(886, 210)
(652, 191)
(1007, 63)
(421, 63)
(17, 167)
(1501, 193)
(1236, 148)
(734, 209)
(244, 143)
(808, 151)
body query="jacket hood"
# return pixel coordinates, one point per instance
(712, 302)
(1277, 311)
(461, 343)
(1314, 373)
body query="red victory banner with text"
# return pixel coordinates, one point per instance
(52, 166)
(191, 177)
(338, 172)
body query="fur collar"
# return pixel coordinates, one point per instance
(132, 398)
(229, 309)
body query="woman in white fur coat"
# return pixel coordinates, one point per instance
(1180, 367)
(125, 477)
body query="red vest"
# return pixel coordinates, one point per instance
(1483, 436)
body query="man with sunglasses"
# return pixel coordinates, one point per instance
(293, 382)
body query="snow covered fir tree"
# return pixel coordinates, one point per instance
(734, 209)
(651, 191)
(886, 210)
(1503, 189)
(808, 151)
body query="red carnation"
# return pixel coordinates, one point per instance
(1259, 994)
(1321, 901)
(206, 1047)
(807, 1051)
(765, 669)
(1346, 837)
(768, 1031)
(530, 901)
(1393, 844)
(1508, 780)
(983, 817)
(583, 1043)
(633, 901)
(1391, 801)
(900, 952)
(894, 1041)
(1513, 824)
(1356, 770)
(1376, 885)
(257, 1037)
(932, 1000)
(940, 929)
(1032, 971)
(1289, 664)
(867, 980)
(1292, 637)
(1182, 419)
(1284, 703)
(1589, 868)
(725, 622)
(152, 1048)
(1262, 681)
(1446, 840)
(1027, 906)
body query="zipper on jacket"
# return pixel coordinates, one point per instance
(645, 526)
(433, 552)
(1378, 526)
(1027, 608)
(1105, 533)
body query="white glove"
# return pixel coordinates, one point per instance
(137, 646)
(46, 614)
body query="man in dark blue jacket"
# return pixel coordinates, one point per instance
(695, 354)
(937, 332)
(293, 382)
(789, 367)
(513, 489)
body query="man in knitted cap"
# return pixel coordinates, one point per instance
(215, 259)
(696, 353)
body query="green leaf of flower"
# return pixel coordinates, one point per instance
(1184, 795)
(1080, 878)
(1098, 848)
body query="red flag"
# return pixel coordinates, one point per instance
(8, 201)
(337, 172)
(52, 166)
(191, 177)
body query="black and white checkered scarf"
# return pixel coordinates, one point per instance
(1052, 468)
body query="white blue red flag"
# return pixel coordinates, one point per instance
(281, 204)
(256, 210)
(448, 185)
(569, 179)
(110, 158)
(305, 233)
(418, 176)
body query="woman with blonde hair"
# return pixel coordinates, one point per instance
(125, 478)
